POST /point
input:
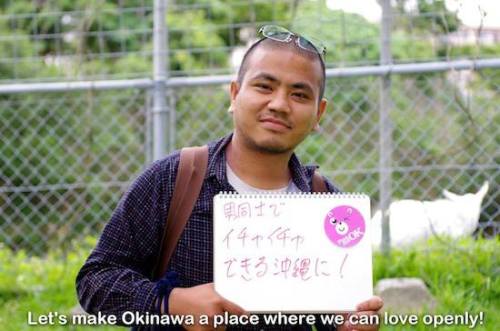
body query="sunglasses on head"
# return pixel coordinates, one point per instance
(281, 34)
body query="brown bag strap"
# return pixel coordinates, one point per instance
(318, 183)
(190, 174)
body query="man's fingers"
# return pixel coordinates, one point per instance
(344, 326)
(229, 306)
(359, 321)
(233, 308)
(374, 303)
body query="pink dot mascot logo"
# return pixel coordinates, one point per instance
(344, 226)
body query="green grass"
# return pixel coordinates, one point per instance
(463, 276)
(39, 285)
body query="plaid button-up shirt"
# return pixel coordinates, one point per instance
(116, 276)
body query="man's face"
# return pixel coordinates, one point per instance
(276, 106)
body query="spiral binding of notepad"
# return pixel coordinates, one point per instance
(295, 195)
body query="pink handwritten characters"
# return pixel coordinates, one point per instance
(287, 267)
(242, 237)
(230, 211)
(344, 226)
(246, 210)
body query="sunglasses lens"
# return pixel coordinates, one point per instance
(310, 46)
(281, 34)
(307, 45)
(275, 32)
(278, 35)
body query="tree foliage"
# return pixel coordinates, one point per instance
(98, 137)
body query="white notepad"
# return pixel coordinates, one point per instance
(293, 252)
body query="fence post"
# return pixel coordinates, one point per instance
(385, 134)
(161, 112)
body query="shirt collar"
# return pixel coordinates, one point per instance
(301, 175)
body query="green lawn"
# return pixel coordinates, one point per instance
(463, 276)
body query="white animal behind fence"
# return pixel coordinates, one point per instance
(415, 220)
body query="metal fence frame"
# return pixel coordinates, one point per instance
(163, 115)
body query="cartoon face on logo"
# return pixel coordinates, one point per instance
(340, 227)
(344, 226)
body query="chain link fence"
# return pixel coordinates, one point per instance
(62, 41)
(68, 153)
(67, 157)
(444, 137)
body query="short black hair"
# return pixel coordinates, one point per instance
(266, 42)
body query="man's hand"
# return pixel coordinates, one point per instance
(368, 307)
(200, 300)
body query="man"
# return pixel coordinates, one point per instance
(276, 102)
